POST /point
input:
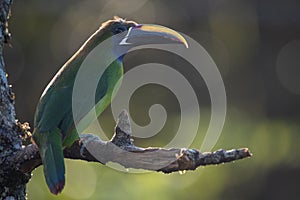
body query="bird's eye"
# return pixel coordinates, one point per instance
(120, 29)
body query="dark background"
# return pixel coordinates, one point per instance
(256, 46)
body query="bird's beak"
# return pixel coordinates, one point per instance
(143, 34)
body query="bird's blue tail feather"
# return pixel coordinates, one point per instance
(53, 160)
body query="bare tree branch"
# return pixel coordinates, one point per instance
(122, 150)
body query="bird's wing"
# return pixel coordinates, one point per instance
(53, 107)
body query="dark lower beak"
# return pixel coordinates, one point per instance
(152, 34)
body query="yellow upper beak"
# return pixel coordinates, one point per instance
(152, 34)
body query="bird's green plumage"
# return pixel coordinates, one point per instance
(55, 105)
(54, 126)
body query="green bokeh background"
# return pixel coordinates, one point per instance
(255, 45)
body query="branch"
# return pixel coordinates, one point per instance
(120, 149)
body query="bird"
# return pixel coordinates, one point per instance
(54, 126)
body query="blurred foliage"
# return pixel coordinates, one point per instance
(245, 39)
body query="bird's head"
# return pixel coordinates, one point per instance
(128, 34)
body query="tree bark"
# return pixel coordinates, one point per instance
(12, 181)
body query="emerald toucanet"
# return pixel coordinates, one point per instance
(54, 126)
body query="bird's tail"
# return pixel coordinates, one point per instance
(51, 151)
